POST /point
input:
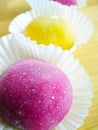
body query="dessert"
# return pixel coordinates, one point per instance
(34, 95)
(47, 30)
(16, 83)
(52, 23)
(67, 2)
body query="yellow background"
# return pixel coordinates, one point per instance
(87, 54)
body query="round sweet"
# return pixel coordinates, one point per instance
(34, 95)
(47, 30)
(67, 2)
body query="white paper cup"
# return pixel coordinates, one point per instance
(80, 24)
(80, 3)
(16, 47)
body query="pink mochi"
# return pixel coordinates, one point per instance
(34, 95)
(67, 2)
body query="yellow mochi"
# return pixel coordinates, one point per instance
(49, 30)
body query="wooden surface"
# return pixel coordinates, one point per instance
(87, 54)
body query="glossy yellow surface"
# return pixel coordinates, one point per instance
(47, 30)
(87, 54)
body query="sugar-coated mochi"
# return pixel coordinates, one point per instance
(34, 95)
(67, 2)
(51, 30)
